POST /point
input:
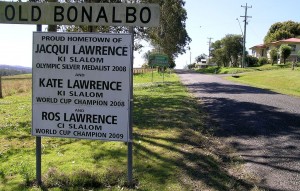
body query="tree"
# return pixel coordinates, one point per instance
(218, 54)
(171, 36)
(298, 55)
(274, 55)
(282, 30)
(219, 57)
(233, 48)
(227, 51)
(147, 54)
(285, 52)
(200, 57)
(85, 28)
(191, 66)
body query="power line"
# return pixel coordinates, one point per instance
(245, 29)
(240, 26)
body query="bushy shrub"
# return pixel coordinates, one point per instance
(274, 55)
(262, 61)
(252, 61)
(191, 66)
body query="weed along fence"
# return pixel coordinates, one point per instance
(82, 82)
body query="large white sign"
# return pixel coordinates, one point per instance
(98, 14)
(81, 85)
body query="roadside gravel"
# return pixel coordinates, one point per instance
(263, 127)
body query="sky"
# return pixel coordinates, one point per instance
(206, 19)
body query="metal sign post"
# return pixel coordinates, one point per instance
(38, 144)
(130, 130)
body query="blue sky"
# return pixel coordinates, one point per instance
(206, 18)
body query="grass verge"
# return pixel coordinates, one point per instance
(231, 70)
(12, 85)
(285, 81)
(173, 148)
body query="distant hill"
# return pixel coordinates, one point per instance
(7, 70)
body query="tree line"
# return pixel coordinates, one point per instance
(11, 72)
(282, 30)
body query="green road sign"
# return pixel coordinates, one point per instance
(158, 60)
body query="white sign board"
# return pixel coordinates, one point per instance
(81, 85)
(97, 14)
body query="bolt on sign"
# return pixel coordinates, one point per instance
(97, 14)
(81, 85)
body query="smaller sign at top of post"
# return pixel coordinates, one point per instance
(97, 14)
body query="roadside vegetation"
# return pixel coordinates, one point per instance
(174, 147)
(6, 70)
(235, 70)
(17, 84)
(278, 77)
(285, 81)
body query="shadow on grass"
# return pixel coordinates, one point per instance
(196, 169)
(159, 115)
(170, 145)
(22, 130)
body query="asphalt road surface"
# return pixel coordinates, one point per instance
(263, 126)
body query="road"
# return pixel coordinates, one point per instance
(263, 127)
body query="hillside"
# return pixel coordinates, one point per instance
(7, 70)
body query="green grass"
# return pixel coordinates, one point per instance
(285, 81)
(222, 70)
(155, 77)
(231, 70)
(173, 148)
(17, 84)
(20, 76)
(278, 78)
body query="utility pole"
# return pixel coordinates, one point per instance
(209, 47)
(245, 28)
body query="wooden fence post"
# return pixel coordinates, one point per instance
(1, 96)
